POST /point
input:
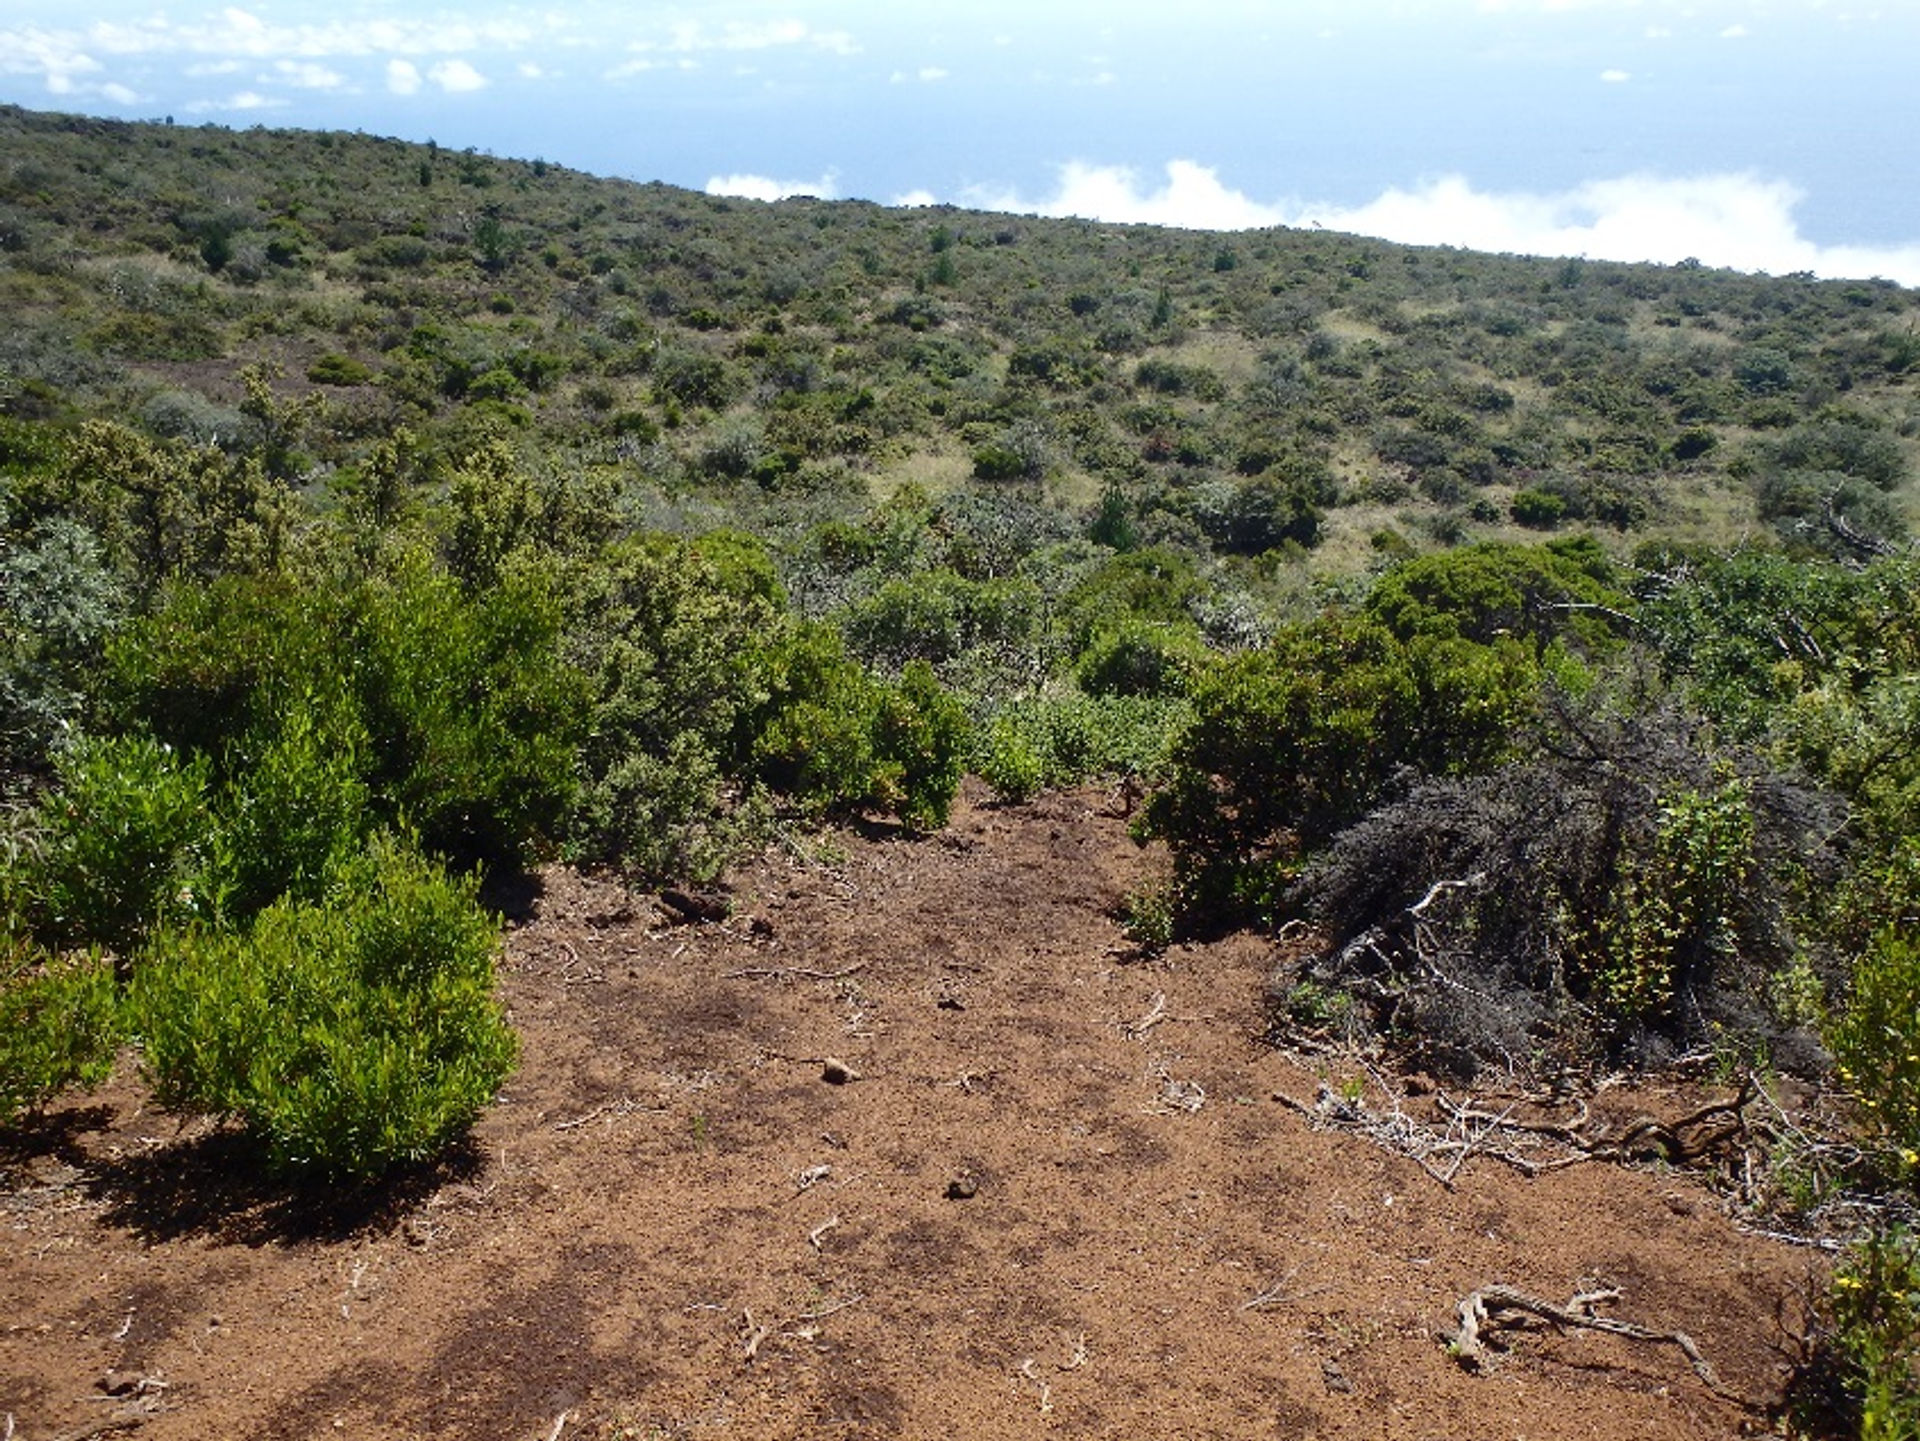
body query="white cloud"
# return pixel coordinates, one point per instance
(931, 73)
(403, 77)
(118, 94)
(689, 36)
(1740, 221)
(1193, 198)
(457, 77)
(761, 187)
(527, 70)
(1616, 77)
(926, 75)
(915, 200)
(244, 100)
(308, 75)
(1734, 32)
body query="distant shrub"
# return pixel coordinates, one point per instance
(351, 1035)
(336, 369)
(1139, 657)
(1537, 509)
(1066, 738)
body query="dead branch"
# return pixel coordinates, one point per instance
(1078, 1356)
(624, 1107)
(1496, 1308)
(1028, 1370)
(819, 1232)
(752, 1334)
(794, 973)
(1280, 1294)
(1135, 1030)
(105, 1426)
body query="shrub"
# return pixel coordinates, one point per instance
(1064, 738)
(59, 1023)
(1877, 1040)
(1141, 658)
(673, 636)
(340, 370)
(125, 839)
(1873, 1337)
(1292, 743)
(920, 737)
(1618, 895)
(1537, 509)
(351, 1035)
(60, 605)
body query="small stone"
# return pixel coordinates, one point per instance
(836, 1072)
(1336, 1379)
(760, 926)
(963, 1187)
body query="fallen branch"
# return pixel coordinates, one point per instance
(623, 1107)
(794, 973)
(755, 1334)
(1158, 1013)
(1046, 1392)
(1495, 1308)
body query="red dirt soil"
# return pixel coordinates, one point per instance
(1019, 1217)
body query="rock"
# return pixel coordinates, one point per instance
(963, 1187)
(836, 1072)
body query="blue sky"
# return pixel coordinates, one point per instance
(1762, 134)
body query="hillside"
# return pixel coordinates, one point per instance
(1244, 396)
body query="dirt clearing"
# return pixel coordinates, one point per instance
(911, 1145)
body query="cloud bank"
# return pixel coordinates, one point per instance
(1737, 221)
(763, 187)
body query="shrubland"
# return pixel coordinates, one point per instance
(379, 519)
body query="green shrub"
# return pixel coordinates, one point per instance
(455, 712)
(920, 737)
(298, 808)
(59, 1023)
(1292, 743)
(1877, 1040)
(341, 370)
(1143, 658)
(1669, 919)
(674, 637)
(1065, 738)
(125, 838)
(1875, 1319)
(352, 1034)
(1009, 761)
(1537, 509)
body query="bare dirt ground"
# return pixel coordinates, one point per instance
(1030, 1207)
